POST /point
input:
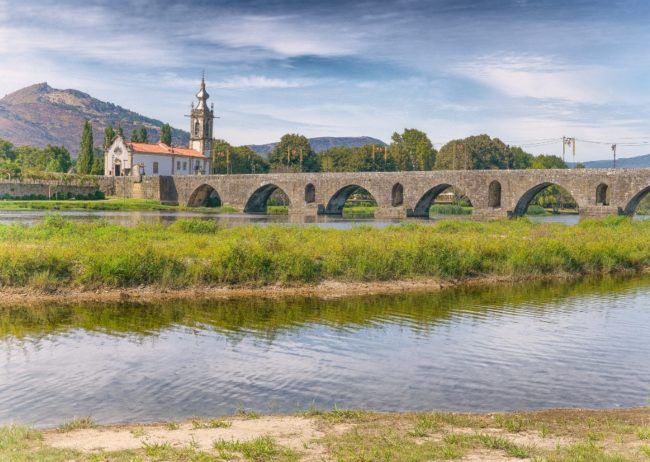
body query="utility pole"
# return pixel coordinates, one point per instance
(563, 147)
(614, 151)
(373, 158)
(301, 159)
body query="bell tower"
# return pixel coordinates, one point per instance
(201, 120)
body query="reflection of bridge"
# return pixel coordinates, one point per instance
(493, 193)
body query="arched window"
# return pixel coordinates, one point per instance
(310, 193)
(196, 128)
(601, 194)
(397, 195)
(494, 195)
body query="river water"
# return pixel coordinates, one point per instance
(132, 218)
(545, 345)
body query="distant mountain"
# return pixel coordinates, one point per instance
(628, 162)
(324, 143)
(39, 115)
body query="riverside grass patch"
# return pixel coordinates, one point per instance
(61, 254)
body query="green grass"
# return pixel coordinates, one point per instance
(63, 254)
(76, 423)
(263, 448)
(109, 204)
(449, 209)
(210, 423)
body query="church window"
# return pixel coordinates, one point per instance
(196, 128)
(184, 165)
(155, 167)
(178, 165)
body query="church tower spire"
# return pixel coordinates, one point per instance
(201, 121)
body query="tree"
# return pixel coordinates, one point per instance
(85, 157)
(144, 135)
(166, 134)
(57, 159)
(520, 159)
(356, 159)
(120, 131)
(7, 150)
(140, 135)
(109, 136)
(30, 158)
(98, 162)
(286, 155)
(412, 150)
(242, 159)
(544, 161)
(474, 153)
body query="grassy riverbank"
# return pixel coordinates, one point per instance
(348, 435)
(62, 255)
(108, 204)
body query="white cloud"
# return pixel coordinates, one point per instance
(541, 78)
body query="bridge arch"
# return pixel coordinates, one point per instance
(340, 197)
(423, 205)
(631, 206)
(397, 195)
(494, 195)
(204, 196)
(258, 200)
(525, 200)
(602, 196)
(310, 193)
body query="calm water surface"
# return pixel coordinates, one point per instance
(581, 344)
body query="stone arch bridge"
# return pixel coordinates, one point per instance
(493, 193)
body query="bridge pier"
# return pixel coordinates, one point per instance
(486, 214)
(390, 212)
(598, 211)
(309, 210)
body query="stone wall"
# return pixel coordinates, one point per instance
(47, 188)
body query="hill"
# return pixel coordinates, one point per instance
(322, 143)
(39, 115)
(628, 162)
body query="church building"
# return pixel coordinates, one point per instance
(125, 158)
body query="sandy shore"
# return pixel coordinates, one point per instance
(342, 435)
(325, 290)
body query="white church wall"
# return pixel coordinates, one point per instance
(148, 161)
(117, 153)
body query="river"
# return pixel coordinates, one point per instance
(132, 218)
(543, 345)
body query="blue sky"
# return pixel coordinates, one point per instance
(522, 70)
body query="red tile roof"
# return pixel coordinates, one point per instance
(161, 148)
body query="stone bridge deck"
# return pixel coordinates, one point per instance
(493, 193)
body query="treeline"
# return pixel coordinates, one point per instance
(33, 162)
(409, 150)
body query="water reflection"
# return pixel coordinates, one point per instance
(543, 345)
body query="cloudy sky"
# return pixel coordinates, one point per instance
(526, 71)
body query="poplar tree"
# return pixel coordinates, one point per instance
(85, 158)
(166, 134)
(109, 135)
(144, 135)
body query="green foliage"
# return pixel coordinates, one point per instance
(412, 150)
(474, 153)
(140, 135)
(520, 159)
(109, 136)
(544, 161)
(86, 151)
(366, 158)
(236, 160)
(287, 154)
(166, 134)
(262, 448)
(7, 150)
